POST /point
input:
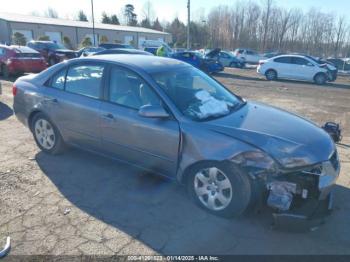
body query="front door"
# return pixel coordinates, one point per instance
(73, 100)
(147, 142)
(303, 69)
(224, 59)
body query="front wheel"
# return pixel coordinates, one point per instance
(320, 79)
(220, 188)
(234, 64)
(46, 135)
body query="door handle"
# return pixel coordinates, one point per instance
(108, 116)
(53, 100)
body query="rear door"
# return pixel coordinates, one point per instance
(73, 98)
(148, 142)
(283, 66)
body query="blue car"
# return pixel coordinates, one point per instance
(196, 59)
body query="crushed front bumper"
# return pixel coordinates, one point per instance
(310, 211)
(310, 215)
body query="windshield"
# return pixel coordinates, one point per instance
(195, 94)
(54, 46)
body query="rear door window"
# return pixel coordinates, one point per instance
(58, 80)
(85, 79)
(283, 60)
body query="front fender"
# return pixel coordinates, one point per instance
(201, 144)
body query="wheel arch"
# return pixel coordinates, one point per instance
(271, 69)
(320, 73)
(184, 175)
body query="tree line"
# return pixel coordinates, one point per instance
(268, 27)
(262, 26)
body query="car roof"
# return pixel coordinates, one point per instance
(43, 42)
(20, 48)
(291, 55)
(144, 62)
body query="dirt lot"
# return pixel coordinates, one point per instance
(79, 203)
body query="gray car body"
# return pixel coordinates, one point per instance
(171, 146)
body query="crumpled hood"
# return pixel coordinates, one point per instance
(64, 51)
(289, 139)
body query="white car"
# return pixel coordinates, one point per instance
(248, 55)
(296, 67)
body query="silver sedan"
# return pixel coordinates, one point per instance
(167, 117)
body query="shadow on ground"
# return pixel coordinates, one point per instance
(158, 212)
(5, 111)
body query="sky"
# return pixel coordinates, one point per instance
(165, 10)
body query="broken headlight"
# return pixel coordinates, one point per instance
(256, 162)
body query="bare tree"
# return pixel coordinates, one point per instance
(266, 18)
(340, 35)
(50, 12)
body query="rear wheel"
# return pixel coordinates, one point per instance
(5, 71)
(220, 188)
(52, 61)
(271, 75)
(46, 135)
(320, 79)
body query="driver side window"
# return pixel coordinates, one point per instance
(128, 89)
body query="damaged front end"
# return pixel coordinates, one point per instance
(300, 198)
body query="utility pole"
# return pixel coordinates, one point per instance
(188, 23)
(93, 22)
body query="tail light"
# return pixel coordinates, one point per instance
(261, 62)
(10, 60)
(14, 90)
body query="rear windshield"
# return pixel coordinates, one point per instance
(27, 55)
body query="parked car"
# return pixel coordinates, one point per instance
(227, 59)
(340, 63)
(123, 51)
(248, 55)
(272, 54)
(152, 50)
(152, 46)
(174, 120)
(87, 51)
(110, 46)
(295, 67)
(196, 59)
(52, 52)
(19, 60)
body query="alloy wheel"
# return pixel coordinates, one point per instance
(45, 134)
(213, 188)
(271, 75)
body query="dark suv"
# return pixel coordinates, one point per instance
(53, 52)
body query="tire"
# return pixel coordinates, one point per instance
(234, 64)
(226, 185)
(320, 79)
(46, 135)
(271, 75)
(52, 61)
(5, 72)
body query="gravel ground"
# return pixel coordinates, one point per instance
(79, 203)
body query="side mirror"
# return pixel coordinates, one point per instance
(85, 54)
(153, 112)
(309, 64)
